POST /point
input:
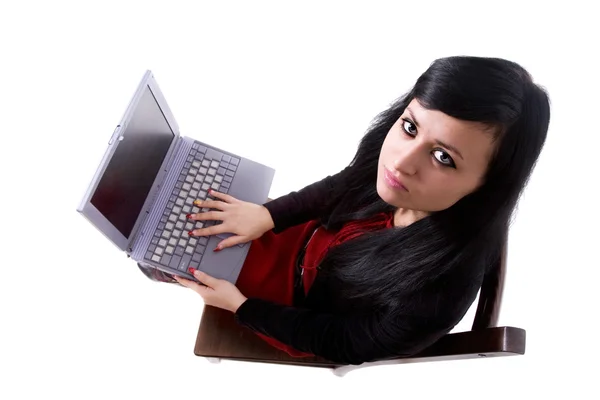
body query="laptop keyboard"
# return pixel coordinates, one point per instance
(171, 245)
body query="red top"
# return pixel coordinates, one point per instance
(323, 240)
(268, 272)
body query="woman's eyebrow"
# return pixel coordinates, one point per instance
(449, 147)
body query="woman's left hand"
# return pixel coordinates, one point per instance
(217, 292)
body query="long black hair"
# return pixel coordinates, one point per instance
(455, 246)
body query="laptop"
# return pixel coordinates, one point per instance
(147, 182)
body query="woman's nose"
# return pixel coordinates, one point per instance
(406, 160)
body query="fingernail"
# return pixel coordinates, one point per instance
(218, 248)
(188, 216)
(190, 233)
(191, 270)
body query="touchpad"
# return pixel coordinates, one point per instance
(227, 235)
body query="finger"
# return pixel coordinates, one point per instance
(209, 231)
(219, 205)
(232, 241)
(200, 289)
(205, 278)
(185, 282)
(223, 196)
(181, 280)
(208, 215)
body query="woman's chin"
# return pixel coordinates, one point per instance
(386, 194)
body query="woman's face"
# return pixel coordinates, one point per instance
(430, 160)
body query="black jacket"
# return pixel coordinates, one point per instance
(324, 326)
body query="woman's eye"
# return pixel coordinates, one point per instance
(441, 156)
(409, 128)
(444, 158)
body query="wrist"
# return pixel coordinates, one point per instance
(269, 223)
(237, 303)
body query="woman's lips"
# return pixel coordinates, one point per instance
(392, 181)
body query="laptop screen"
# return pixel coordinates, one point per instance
(128, 178)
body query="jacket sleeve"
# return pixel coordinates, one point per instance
(343, 339)
(304, 205)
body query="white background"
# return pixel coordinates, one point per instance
(293, 85)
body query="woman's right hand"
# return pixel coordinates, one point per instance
(247, 221)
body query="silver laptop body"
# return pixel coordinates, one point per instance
(147, 181)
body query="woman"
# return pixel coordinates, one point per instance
(391, 251)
